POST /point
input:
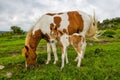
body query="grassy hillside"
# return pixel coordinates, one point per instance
(101, 61)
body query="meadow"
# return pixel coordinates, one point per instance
(101, 60)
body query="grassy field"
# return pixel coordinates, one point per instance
(101, 61)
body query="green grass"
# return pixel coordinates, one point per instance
(101, 62)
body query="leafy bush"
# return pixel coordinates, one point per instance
(17, 30)
(109, 33)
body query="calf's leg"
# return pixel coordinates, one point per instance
(63, 56)
(79, 58)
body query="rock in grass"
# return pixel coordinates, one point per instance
(9, 74)
(2, 67)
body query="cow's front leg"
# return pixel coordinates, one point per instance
(54, 52)
(48, 53)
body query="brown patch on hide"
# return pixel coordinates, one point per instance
(57, 21)
(60, 13)
(50, 14)
(75, 40)
(65, 31)
(35, 38)
(76, 23)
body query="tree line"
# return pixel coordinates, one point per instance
(113, 23)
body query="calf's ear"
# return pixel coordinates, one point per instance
(65, 31)
(51, 26)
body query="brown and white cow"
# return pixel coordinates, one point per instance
(76, 40)
(73, 22)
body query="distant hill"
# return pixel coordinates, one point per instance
(3, 31)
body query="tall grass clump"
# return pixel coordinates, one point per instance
(109, 33)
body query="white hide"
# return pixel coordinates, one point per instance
(44, 25)
(64, 40)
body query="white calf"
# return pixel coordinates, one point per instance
(76, 40)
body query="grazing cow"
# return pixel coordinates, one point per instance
(73, 22)
(76, 40)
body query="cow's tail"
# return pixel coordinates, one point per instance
(93, 28)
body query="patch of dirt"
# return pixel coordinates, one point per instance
(98, 42)
(104, 42)
(14, 53)
(41, 48)
(88, 43)
(9, 74)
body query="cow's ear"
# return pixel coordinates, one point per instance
(26, 47)
(24, 50)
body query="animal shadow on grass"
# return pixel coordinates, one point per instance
(99, 52)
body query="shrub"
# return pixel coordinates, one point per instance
(109, 33)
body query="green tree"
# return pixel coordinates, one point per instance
(110, 23)
(17, 30)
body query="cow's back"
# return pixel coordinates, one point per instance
(73, 22)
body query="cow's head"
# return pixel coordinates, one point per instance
(30, 56)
